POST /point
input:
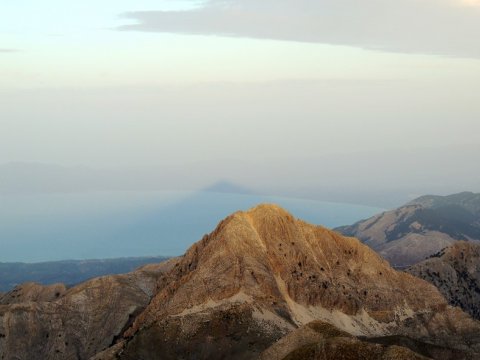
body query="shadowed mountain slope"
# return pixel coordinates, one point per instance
(321, 341)
(424, 226)
(455, 271)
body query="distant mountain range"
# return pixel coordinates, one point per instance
(70, 272)
(422, 227)
(262, 284)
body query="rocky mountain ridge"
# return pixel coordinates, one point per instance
(51, 322)
(455, 271)
(257, 277)
(273, 272)
(321, 341)
(424, 226)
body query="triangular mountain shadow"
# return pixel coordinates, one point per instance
(228, 187)
(170, 230)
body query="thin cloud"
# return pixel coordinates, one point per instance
(3, 50)
(442, 27)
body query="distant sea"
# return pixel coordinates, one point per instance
(47, 227)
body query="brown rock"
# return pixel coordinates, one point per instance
(322, 341)
(80, 322)
(32, 292)
(283, 273)
(259, 275)
(455, 271)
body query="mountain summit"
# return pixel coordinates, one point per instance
(262, 273)
(257, 277)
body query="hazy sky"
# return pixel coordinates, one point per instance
(123, 83)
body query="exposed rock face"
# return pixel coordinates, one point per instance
(421, 228)
(257, 277)
(270, 273)
(50, 322)
(31, 292)
(455, 271)
(321, 341)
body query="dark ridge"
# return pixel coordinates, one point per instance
(422, 348)
(468, 200)
(453, 220)
(455, 272)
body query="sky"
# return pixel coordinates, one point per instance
(304, 97)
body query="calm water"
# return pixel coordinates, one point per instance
(42, 227)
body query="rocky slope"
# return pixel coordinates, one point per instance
(262, 273)
(321, 341)
(257, 277)
(455, 271)
(413, 232)
(51, 322)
